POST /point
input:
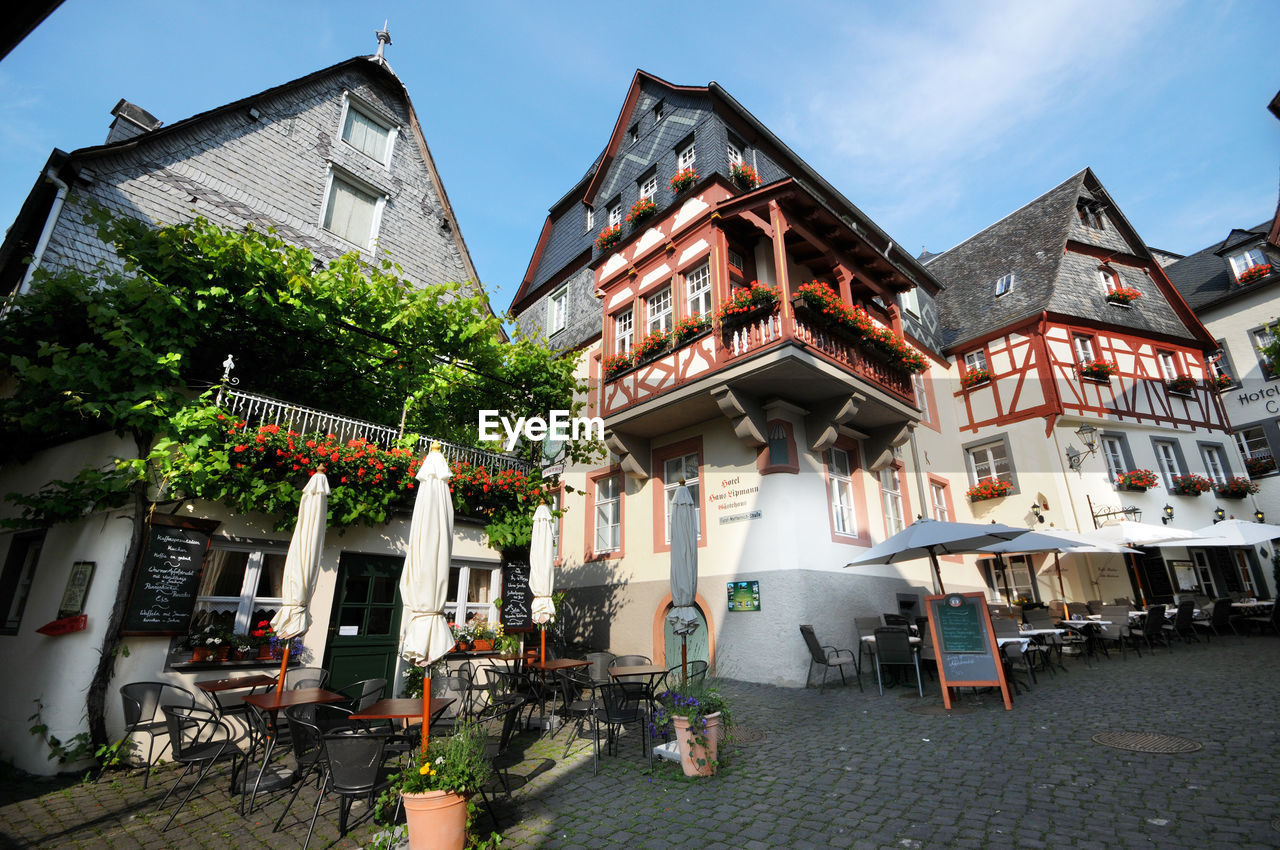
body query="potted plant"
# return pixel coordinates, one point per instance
(615, 364)
(1098, 370)
(1236, 488)
(974, 376)
(747, 302)
(483, 634)
(1190, 485)
(262, 636)
(1221, 382)
(1182, 385)
(744, 176)
(1253, 273)
(1137, 479)
(609, 237)
(699, 714)
(211, 643)
(989, 488)
(641, 210)
(653, 345)
(436, 787)
(1259, 465)
(684, 179)
(688, 328)
(1125, 295)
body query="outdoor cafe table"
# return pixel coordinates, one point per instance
(403, 708)
(553, 665)
(646, 673)
(271, 702)
(212, 687)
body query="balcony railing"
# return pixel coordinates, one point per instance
(263, 410)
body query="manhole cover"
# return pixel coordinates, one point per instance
(935, 710)
(1146, 742)
(747, 734)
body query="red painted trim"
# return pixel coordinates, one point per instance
(660, 457)
(860, 515)
(588, 549)
(762, 454)
(659, 651)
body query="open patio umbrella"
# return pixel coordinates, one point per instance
(684, 571)
(1238, 532)
(1056, 541)
(1128, 533)
(301, 566)
(931, 538)
(541, 581)
(424, 582)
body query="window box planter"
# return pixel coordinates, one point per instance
(989, 488)
(1255, 273)
(615, 364)
(1236, 488)
(1261, 465)
(744, 176)
(1138, 480)
(747, 304)
(1190, 485)
(1181, 385)
(688, 329)
(1098, 370)
(1218, 383)
(974, 378)
(1123, 296)
(652, 347)
(609, 237)
(684, 179)
(641, 211)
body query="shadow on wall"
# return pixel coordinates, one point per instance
(594, 593)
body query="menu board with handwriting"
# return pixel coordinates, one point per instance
(965, 642)
(517, 599)
(166, 582)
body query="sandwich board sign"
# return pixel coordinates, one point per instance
(965, 643)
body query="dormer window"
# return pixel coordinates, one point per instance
(615, 214)
(659, 111)
(649, 186)
(1090, 213)
(734, 154)
(589, 219)
(633, 135)
(1110, 280)
(1004, 285)
(1243, 261)
(685, 158)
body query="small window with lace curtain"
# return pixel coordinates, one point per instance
(240, 587)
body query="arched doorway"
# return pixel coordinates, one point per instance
(666, 645)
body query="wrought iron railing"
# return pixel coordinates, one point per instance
(263, 410)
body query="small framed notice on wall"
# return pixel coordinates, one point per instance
(77, 589)
(744, 596)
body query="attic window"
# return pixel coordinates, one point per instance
(1004, 285)
(1110, 280)
(633, 135)
(1242, 261)
(615, 214)
(365, 131)
(659, 111)
(734, 153)
(1090, 215)
(589, 218)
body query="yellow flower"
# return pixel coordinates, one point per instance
(425, 770)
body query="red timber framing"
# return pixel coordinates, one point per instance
(1035, 373)
(796, 238)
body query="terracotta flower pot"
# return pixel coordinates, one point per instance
(437, 820)
(696, 759)
(482, 645)
(264, 652)
(200, 653)
(221, 653)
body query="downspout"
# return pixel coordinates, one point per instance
(54, 211)
(915, 462)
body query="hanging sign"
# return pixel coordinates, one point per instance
(965, 643)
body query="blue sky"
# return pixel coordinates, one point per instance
(936, 118)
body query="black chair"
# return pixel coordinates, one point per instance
(1153, 629)
(1016, 662)
(600, 664)
(893, 649)
(1030, 655)
(498, 750)
(1117, 632)
(827, 657)
(1219, 622)
(307, 740)
(142, 701)
(899, 620)
(618, 707)
(353, 769)
(362, 694)
(577, 700)
(193, 742)
(306, 677)
(456, 689)
(1184, 622)
(1269, 622)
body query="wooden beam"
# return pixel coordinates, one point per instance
(822, 425)
(744, 412)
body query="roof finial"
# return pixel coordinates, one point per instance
(384, 38)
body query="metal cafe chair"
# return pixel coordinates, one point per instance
(193, 742)
(827, 657)
(142, 701)
(893, 649)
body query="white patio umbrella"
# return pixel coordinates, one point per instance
(1128, 533)
(1238, 532)
(684, 571)
(541, 579)
(1056, 541)
(301, 567)
(931, 538)
(424, 582)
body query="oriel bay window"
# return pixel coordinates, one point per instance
(658, 309)
(698, 286)
(623, 331)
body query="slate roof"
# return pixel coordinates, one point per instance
(1204, 278)
(1031, 244)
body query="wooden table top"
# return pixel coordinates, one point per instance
(560, 664)
(402, 708)
(637, 670)
(216, 685)
(271, 701)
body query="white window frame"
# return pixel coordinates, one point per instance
(555, 524)
(686, 158)
(461, 607)
(624, 331)
(1090, 215)
(588, 218)
(659, 111)
(1004, 285)
(1259, 337)
(1214, 465)
(679, 465)
(243, 605)
(607, 518)
(1253, 442)
(844, 515)
(698, 290)
(735, 155)
(32, 544)
(557, 310)
(1110, 279)
(910, 301)
(990, 456)
(336, 176)
(392, 128)
(615, 215)
(1113, 454)
(1242, 261)
(891, 499)
(1167, 460)
(922, 396)
(975, 360)
(649, 187)
(737, 259)
(1083, 347)
(1168, 367)
(938, 498)
(658, 310)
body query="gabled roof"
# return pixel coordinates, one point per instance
(1205, 278)
(1032, 244)
(1236, 238)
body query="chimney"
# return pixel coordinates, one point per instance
(131, 120)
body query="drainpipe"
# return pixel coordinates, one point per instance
(915, 462)
(50, 222)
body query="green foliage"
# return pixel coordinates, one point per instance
(454, 763)
(79, 747)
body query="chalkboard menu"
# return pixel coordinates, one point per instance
(167, 578)
(965, 643)
(517, 599)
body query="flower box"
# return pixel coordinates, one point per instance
(654, 345)
(641, 210)
(689, 329)
(1236, 488)
(684, 179)
(615, 364)
(1098, 370)
(1137, 480)
(747, 303)
(1260, 465)
(1254, 273)
(1181, 385)
(974, 377)
(744, 176)
(989, 488)
(1190, 485)
(1218, 383)
(1123, 295)
(609, 237)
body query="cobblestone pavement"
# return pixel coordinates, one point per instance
(840, 769)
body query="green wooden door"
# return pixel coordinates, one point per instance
(365, 625)
(697, 643)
